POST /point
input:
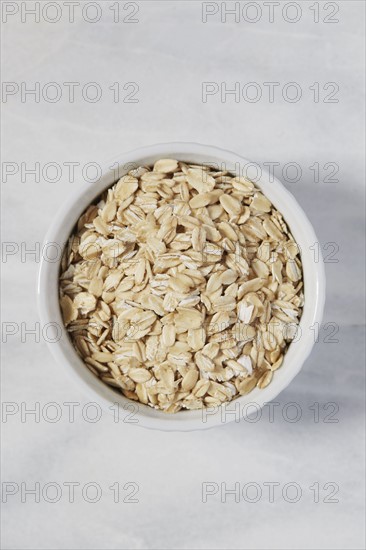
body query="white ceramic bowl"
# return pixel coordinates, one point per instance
(314, 287)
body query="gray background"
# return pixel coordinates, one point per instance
(169, 53)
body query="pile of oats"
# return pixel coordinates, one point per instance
(182, 287)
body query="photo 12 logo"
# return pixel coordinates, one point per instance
(67, 411)
(69, 12)
(270, 12)
(269, 92)
(51, 492)
(273, 412)
(69, 92)
(270, 492)
(71, 171)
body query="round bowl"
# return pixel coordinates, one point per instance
(108, 398)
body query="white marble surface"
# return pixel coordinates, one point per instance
(169, 53)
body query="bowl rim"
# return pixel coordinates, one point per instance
(137, 413)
